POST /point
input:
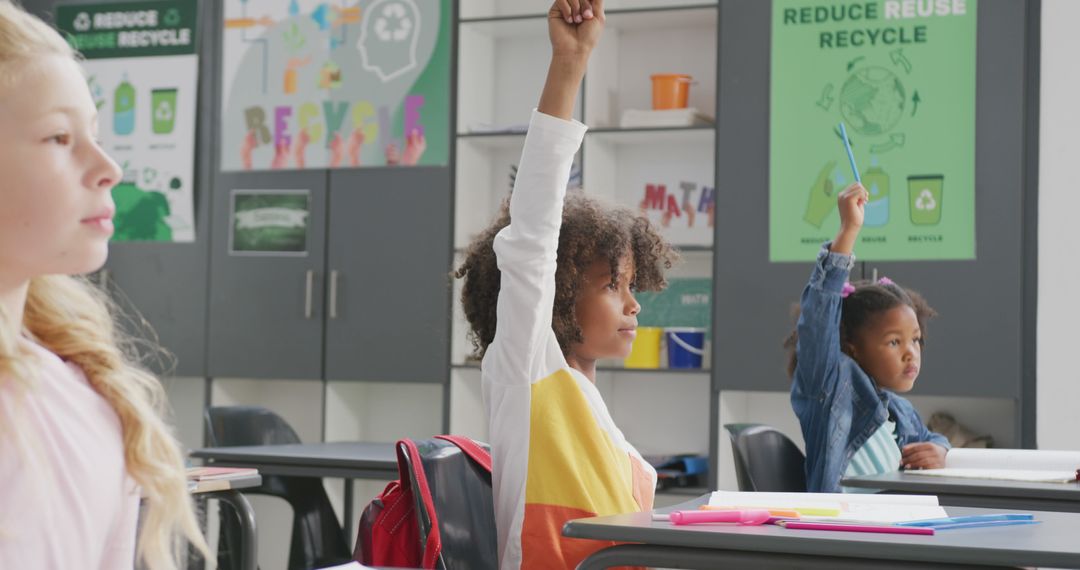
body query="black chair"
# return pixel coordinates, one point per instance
(766, 460)
(317, 537)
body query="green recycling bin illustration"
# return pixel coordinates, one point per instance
(924, 196)
(163, 105)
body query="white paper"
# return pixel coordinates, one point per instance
(1033, 476)
(1008, 459)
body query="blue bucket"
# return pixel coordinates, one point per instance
(685, 347)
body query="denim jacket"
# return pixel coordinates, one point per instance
(838, 405)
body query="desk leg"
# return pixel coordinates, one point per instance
(347, 524)
(707, 559)
(249, 549)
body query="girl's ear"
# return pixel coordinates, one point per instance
(848, 348)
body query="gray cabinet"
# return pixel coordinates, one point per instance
(367, 300)
(388, 274)
(266, 310)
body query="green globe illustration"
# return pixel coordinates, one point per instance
(872, 100)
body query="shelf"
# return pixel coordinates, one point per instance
(616, 369)
(654, 17)
(497, 140)
(650, 136)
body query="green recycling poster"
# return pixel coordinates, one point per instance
(900, 74)
(142, 69)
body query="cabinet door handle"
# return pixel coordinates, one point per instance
(333, 293)
(309, 284)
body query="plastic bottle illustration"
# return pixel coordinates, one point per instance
(124, 108)
(876, 183)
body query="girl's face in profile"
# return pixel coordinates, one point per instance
(55, 204)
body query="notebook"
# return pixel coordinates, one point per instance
(1030, 465)
(217, 473)
(836, 507)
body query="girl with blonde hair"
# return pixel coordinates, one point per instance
(82, 435)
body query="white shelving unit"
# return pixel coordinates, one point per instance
(503, 57)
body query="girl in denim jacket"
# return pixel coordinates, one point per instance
(855, 348)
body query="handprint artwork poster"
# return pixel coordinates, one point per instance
(335, 84)
(141, 66)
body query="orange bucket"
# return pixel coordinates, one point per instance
(670, 91)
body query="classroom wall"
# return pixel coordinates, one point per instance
(1059, 202)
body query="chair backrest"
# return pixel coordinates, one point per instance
(766, 460)
(230, 426)
(464, 506)
(317, 538)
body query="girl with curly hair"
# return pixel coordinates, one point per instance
(855, 348)
(82, 433)
(549, 290)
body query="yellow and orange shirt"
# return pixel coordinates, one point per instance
(557, 454)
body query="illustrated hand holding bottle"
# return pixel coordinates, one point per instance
(822, 196)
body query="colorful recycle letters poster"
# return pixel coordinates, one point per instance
(142, 69)
(335, 83)
(900, 74)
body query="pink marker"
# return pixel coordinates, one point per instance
(885, 529)
(743, 517)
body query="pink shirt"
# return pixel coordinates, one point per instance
(66, 500)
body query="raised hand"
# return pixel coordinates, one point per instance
(356, 140)
(852, 205)
(336, 150)
(249, 144)
(300, 147)
(415, 145)
(281, 155)
(574, 27)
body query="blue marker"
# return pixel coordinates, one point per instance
(850, 157)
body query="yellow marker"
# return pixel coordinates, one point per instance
(803, 511)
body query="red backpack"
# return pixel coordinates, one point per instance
(445, 480)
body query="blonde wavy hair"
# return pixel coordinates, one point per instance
(75, 321)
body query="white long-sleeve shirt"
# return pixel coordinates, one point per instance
(66, 500)
(557, 455)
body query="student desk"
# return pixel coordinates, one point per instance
(348, 460)
(1051, 543)
(964, 492)
(249, 549)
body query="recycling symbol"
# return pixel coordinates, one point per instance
(925, 200)
(172, 17)
(163, 112)
(82, 22)
(399, 32)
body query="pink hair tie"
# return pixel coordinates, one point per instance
(847, 290)
(885, 281)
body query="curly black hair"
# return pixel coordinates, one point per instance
(591, 231)
(869, 298)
